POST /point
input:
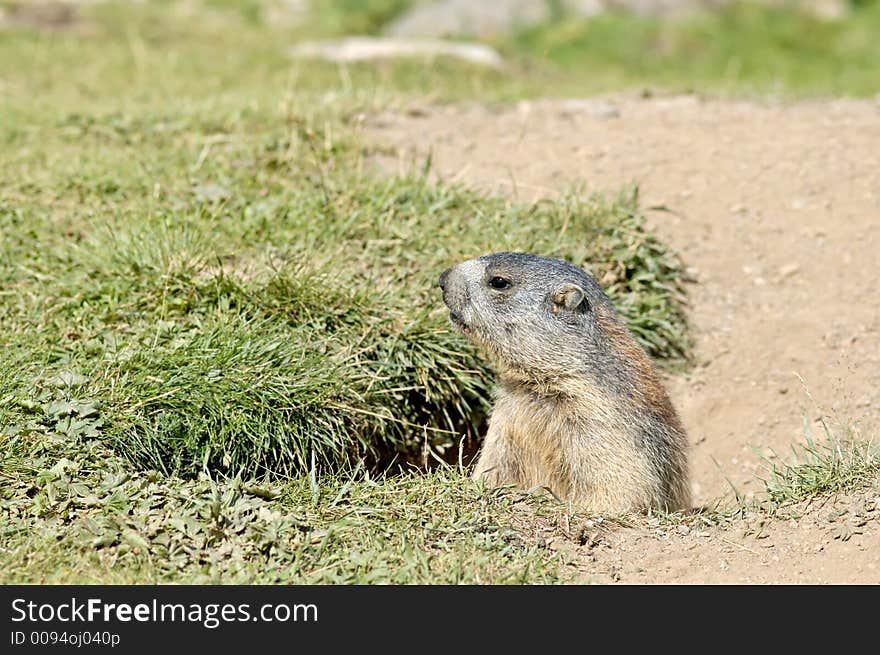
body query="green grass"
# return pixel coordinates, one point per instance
(76, 523)
(741, 48)
(820, 467)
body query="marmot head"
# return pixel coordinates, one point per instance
(539, 318)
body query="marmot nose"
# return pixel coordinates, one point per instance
(443, 276)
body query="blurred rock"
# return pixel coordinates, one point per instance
(588, 106)
(492, 18)
(38, 14)
(824, 9)
(661, 8)
(482, 18)
(362, 48)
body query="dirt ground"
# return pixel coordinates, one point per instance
(775, 208)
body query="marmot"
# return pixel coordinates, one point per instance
(579, 407)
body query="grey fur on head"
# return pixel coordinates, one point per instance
(541, 320)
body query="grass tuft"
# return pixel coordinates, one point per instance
(820, 468)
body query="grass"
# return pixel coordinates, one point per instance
(832, 464)
(740, 48)
(220, 329)
(130, 527)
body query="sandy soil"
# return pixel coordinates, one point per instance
(776, 210)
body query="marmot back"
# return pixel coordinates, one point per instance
(580, 408)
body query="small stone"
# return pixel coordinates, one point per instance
(440, 18)
(418, 112)
(788, 270)
(363, 48)
(596, 109)
(605, 111)
(683, 530)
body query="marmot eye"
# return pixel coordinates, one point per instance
(499, 283)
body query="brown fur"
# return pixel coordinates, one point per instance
(574, 446)
(650, 389)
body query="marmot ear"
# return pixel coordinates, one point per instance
(569, 297)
